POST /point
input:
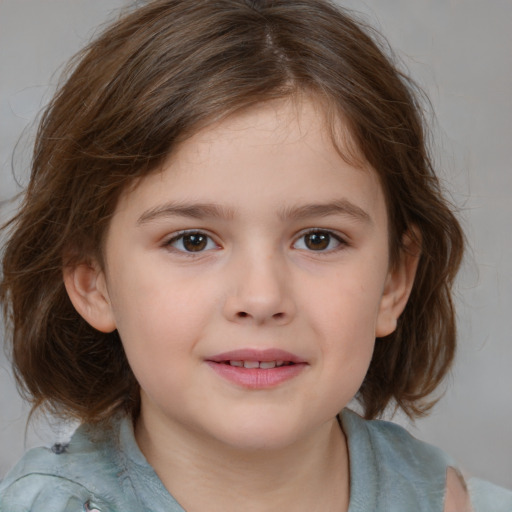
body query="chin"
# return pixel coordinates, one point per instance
(260, 434)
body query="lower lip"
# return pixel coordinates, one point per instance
(257, 378)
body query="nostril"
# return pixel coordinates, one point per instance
(278, 316)
(242, 314)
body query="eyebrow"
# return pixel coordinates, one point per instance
(192, 210)
(212, 210)
(337, 207)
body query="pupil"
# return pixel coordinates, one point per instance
(194, 243)
(317, 241)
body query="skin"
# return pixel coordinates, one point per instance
(256, 284)
(456, 498)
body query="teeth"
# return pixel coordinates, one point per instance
(266, 365)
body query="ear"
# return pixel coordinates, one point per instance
(398, 285)
(87, 289)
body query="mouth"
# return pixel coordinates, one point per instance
(264, 365)
(271, 356)
(257, 369)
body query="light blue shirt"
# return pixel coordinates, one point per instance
(103, 469)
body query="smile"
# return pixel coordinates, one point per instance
(257, 369)
(265, 365)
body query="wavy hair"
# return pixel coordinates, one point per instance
(150, 80)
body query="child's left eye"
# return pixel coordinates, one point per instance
(192, 241)
(318, 240)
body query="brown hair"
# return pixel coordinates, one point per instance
(149, 81)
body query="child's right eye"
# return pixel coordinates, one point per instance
(191, 241)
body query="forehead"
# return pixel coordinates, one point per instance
(294, 118)
(275, 155)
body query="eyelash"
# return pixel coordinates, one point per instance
(180, 236)
(332, 236)
(341, 242)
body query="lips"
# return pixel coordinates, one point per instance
(257, 369)
(266, 365)
(261, 356)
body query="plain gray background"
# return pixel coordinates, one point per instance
(461, 53)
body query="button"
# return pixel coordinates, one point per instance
(59, 448)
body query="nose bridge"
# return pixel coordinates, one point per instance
(260, 289)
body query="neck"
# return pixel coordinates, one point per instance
(311, 474)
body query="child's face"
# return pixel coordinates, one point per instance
(257, 243)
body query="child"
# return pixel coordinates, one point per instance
(232, 229)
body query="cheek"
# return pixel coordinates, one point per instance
(343, 313)
(345, 302)
(160, 320)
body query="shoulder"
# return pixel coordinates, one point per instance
(418, 472)
(457, 497)
(395, 446)
(63, 479)
(34, 492)
(475, 495)
(397, 471)
(487, 497)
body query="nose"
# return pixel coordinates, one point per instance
(260, 291)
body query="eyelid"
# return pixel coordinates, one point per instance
(340, 238)
(177, 235)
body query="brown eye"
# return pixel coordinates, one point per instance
(195, 242)
(318, 241)
(192, 242)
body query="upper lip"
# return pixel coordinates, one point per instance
(266, 355)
